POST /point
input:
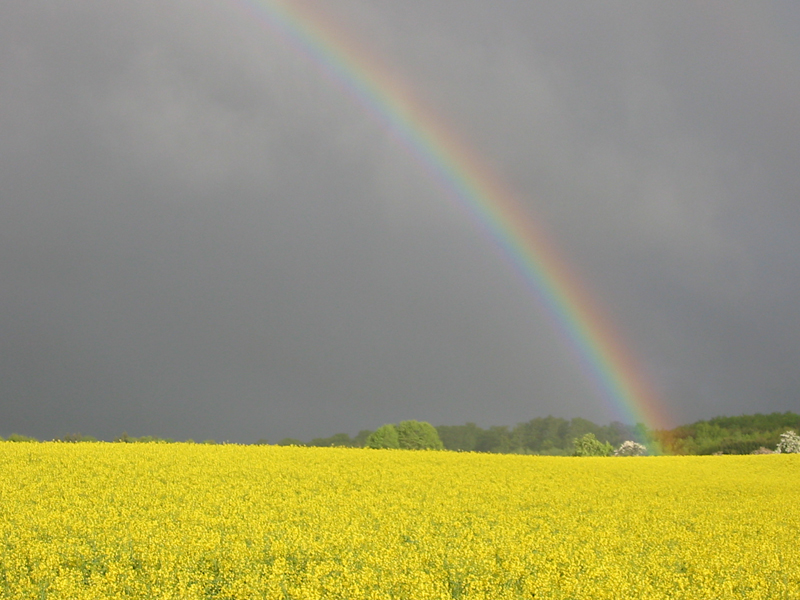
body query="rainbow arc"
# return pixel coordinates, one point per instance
(598, 348)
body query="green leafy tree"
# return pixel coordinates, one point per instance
(589, 445)
(418, 435)
(553, 435)
(16, 437)
(384, 437)
(579, 427)
(78, 437)
(728, 435)
(290, 442)
(616, 433)
(360, 439)
(498, 439)
(460, 437)
(336, 440)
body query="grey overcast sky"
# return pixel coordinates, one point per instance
(201, 237)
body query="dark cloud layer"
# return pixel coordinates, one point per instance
(201, 237)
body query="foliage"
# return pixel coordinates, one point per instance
(360, 439)
(728, 435)
(188, 521)
(341, 440)
(630, 448)
(554, 436)
(78, 437)
(589, 445)
(407, 435)
(542, 435)
(745, 446)
(418, 435)
(790, 443)
(290, 442)
(384, 437)
(16, 437)
(462, 438)
(499, 439)
(145, 439)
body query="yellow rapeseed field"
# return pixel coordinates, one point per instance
(185, 521)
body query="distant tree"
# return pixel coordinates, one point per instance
(78, 437)
(360, 439)
(384, 437)
(336, 440)
(418, 435)
(460, 437)
(16, 437)
(499, 439)
(579, 427)
(209, 442)
(589, 445)
(290, 442)
(727, 435)
(548, 435)
(739, 444)
(790, 443)
(615, 433)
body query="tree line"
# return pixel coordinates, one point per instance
(544, 436)
(727, 435)
(566, 437)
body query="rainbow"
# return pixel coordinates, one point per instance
(467, 180)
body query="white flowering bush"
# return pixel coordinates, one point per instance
(630, 448)
(790, 443)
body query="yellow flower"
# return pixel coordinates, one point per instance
(185, 521)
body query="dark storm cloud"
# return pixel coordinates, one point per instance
(201, 237)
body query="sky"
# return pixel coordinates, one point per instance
(203, 237)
